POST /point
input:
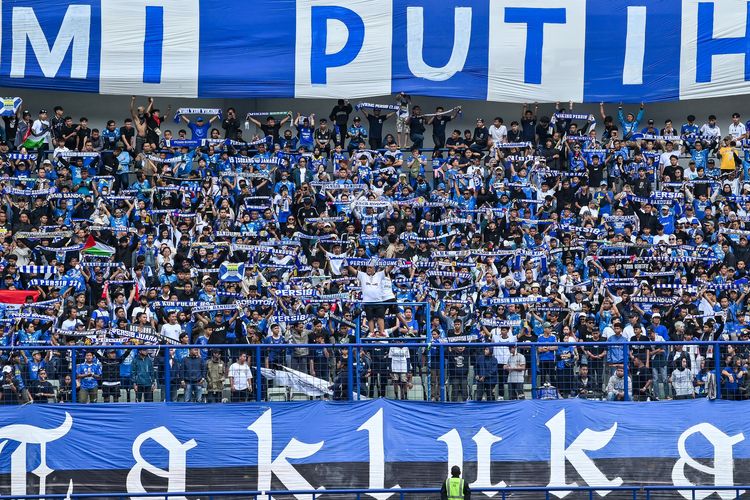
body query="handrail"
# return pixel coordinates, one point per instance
(635, 490)
(382, 342)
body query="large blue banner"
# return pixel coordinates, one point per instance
(499, 50)
(303, 446)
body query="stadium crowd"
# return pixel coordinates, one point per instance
(558, 228)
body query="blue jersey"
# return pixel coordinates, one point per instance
(199, 131)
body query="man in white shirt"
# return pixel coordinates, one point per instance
(240, 379)
(498, 131)
(171, 329)
(502, 353)
(41, 128)
(399, 369)
(737, 128)
(371, 286)
(710, 133)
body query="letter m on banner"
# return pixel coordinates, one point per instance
(73, 36)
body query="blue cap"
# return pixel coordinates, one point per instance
(199, 119)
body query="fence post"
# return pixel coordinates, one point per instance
(350, 374)
(168, 377)
(625, 370)
(359, 367)
(533, 372)
(717, 369)
(357, 331)
(429, 367)
(74, 376)
(442, 373)
(258, 375)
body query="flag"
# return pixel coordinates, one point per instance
(231, 272)
(32, 142)
(17, 296)
(92, 247)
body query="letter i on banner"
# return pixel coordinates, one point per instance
(150, 47)
(343, 48)
(550, 35)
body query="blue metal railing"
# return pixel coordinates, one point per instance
(256, 355)
(634, 492)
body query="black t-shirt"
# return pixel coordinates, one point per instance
(515, 135)
(83, 134)
(322, 136)
(39, 387)
(11, 125)
(231, 126)
(416, 125)
(340, 115)
(481, 136)
(56, 124)
(641, 376)
(543, 133)
(129, 134)
(438, 125)
(527, 129)
(70, 142)
(272, 131)
(220, 333)
(639, 350)
(376, 126)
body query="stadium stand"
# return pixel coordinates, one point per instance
(323, 230)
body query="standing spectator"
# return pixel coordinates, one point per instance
(547, 370)
(658, 354)
(11, 386)
(65, 392)
(376, 121)
(417, 128)
(486, 375)
(340, 118)
(193, 369)
(216, 372)
(143, 375)
(111, 382)
(241, 379)
(682, 380)
(400, 372)
(642, 381)
(231, 125)
(41, 389)
(516, 369)
(88, 375)
(458, 373)
(403, 101)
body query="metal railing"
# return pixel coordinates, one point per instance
(633, 492)
(351, 379)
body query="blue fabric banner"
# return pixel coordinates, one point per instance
(479, 49)
(370, 444)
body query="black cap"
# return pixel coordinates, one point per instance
(42, 111)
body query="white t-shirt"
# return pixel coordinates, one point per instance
(501, 353)
(240, 374)
(38, 126)
(171, 331)
(498, 134)
(736, 131)
(387, 288)
(399, 359)
(371, 286)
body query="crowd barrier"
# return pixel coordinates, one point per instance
(413, 368)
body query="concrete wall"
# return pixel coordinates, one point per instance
(101, 108)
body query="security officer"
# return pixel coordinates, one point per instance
(455, 488)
